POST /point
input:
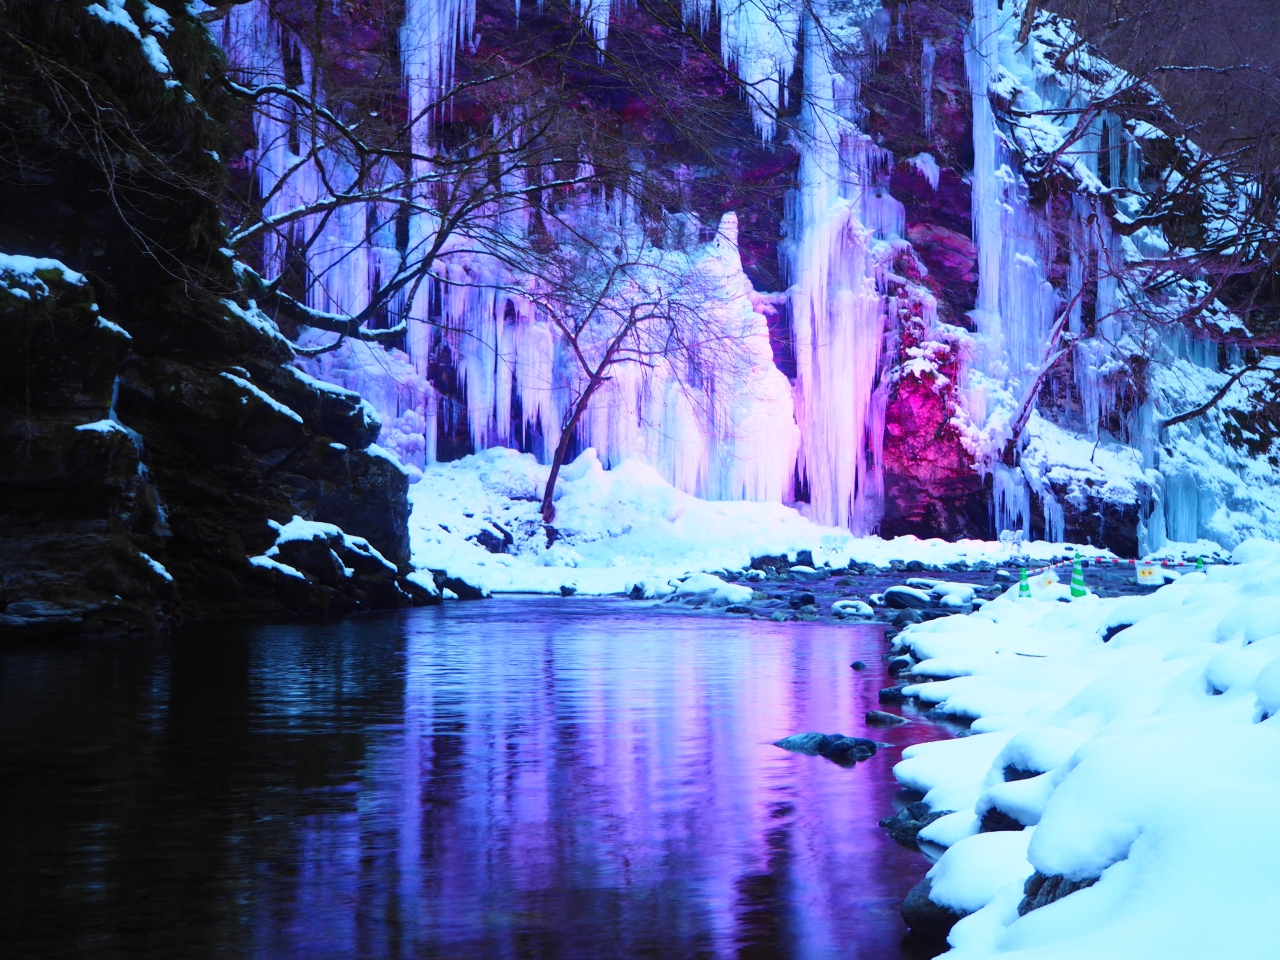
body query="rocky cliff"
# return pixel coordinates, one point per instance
(154, 441)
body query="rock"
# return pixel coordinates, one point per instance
(778, 616)
(803, 600)
(774, 565)
(754, 576)
(852, 608)
(808, 609)
(914, 566)
(1041, 890)
(495, 538)
(737, 608)
(858, 665)
(759, 595)
(901, 664)
(905, 826)
(893, 695)
(565, 590)
(1003, 575)
(904, 618)
(878, 718)
(994, 821)
(807, 574)
(637, 592)
(804, 559)
(833, 746)
(924, 916)
(460, 588)
(907, 598)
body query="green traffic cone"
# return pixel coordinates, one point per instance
(1199, 564)
(1077, 579)
(1024, 587)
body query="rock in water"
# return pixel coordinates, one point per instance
(833, 746)
(907, 598)
(925, 917)
(858, 665)
(878, 718)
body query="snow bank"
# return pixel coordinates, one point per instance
(626, 526)
(1135, 764)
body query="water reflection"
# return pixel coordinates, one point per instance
(519, 778)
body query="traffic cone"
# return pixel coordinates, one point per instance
(1024, 586)
(1077, 579)
(1199, 564)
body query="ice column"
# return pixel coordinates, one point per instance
(838, 316)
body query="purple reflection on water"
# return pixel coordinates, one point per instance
(539, 778)
(592, 780)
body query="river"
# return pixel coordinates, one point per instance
(522, 777)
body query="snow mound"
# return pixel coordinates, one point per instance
(478, 519)
(1128, 756)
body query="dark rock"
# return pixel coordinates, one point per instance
(804, 558)
(1012, 773)
(904, 618)
(460, 587)
(905, 826)
(771, 564)
(565, 590)
(914, 566)
(833, 746)
(858, 665)
(201, 432)
(906, 598)
(1041, 890)
(808, 609)
(893, 695)
(901, 664)
(494, 538)
(803, 600)
(637, 592)
(1112, 631)
(924, 916)
(848, 748)
(878, 718)
(995, 821)
(737, 608)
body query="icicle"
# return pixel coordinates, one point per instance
(927, 57)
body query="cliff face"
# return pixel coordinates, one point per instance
(151, 432)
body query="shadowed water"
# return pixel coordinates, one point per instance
(515, 778)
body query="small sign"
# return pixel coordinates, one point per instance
(1149, 574)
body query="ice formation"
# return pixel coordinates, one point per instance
(739, 430)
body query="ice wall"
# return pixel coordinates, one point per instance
(837, 313)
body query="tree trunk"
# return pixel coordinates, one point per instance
(562, 448)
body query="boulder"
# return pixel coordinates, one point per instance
(925, 917)
(907, 598)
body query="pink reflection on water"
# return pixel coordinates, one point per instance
(591, 779)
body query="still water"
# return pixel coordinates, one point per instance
(516, 778)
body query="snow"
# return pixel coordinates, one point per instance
(23, 269)
(157, 20)
(262, 395)
(626, 526)
(157, 566)
(103, 426)
(300, 529)
(1143, 757)
(114, 328)
(270, 564)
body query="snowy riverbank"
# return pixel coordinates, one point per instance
(478, 519)
(1112, 799)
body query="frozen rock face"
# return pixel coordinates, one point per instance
(914, 289)
(150, 429)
